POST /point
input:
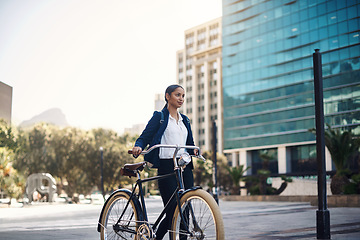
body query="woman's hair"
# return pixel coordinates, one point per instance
(169, 90)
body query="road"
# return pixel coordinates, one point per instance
(243, 220)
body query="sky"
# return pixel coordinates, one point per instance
(100, 61)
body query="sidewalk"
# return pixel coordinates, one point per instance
(285, 220)
(242, 220)
(332, 200)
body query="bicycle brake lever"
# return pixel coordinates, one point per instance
(200, 157)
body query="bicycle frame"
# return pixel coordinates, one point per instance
(176, 194)
(140, 196)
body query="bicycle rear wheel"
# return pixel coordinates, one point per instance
(202, 215)
(128, 225)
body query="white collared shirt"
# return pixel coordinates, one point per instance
(174, 134)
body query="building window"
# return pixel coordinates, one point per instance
(264, 159)
(303, 159)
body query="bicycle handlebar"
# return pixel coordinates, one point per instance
(177, 148)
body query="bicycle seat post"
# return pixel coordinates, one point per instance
(138, 175)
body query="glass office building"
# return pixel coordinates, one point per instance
(268, 90)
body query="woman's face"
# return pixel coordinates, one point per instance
(176, 98)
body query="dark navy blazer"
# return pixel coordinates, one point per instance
(153, 132)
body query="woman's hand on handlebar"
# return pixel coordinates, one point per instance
(136, 151)
(196, 152)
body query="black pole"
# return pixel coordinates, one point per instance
(101, 171)
(322, 214)
(216, 193)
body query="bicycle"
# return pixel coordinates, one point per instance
(196, 215)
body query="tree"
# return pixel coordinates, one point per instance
(257, 185)
(236, 174)
(264, 173)
(341, 145)
(114, 158)
(7, 136)
(11, 182)
(35, 153)
(203, 171)
(72, 156)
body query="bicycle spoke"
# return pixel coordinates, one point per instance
(202, 215)
(115, 228)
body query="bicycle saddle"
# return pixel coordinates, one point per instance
(130, 169)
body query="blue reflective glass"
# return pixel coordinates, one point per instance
(334, 56)
(341, 14)
(353, 38)
(322, 21)
(354, 51)
(332, 18)
(340, 4)
(353, 25)
(352, 12)
(323, 33)
(321, 9)
(332, 30)
(314, 36)
(313, 24)
(312, 12)
(277, 47)
(304, 15)
(342, 27)
(351, 2)
(295, 18)
(303, 4)
(343, 41)
(331, 5)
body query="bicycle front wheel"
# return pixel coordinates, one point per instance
(202, 216)
(114, 209)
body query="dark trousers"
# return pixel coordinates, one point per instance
(167, 187)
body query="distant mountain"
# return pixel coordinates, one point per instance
(53, 116)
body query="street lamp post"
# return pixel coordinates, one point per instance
(322, 214)
(215, 180)
(101, 170)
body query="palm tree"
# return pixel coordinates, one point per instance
(264, 173)
(236, 174)
(341, 145)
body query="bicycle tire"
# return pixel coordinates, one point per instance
(112, 212)
(206, 212)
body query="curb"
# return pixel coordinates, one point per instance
(332, 200)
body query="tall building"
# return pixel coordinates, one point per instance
(199, 71)
(5, 102)
(159, 101)
(268, 78)
(135, 130)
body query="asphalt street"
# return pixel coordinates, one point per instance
(243, 220)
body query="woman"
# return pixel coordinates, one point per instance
(172, 128)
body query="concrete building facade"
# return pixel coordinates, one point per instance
(199, 71)
(5, 102)
(159, 101)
